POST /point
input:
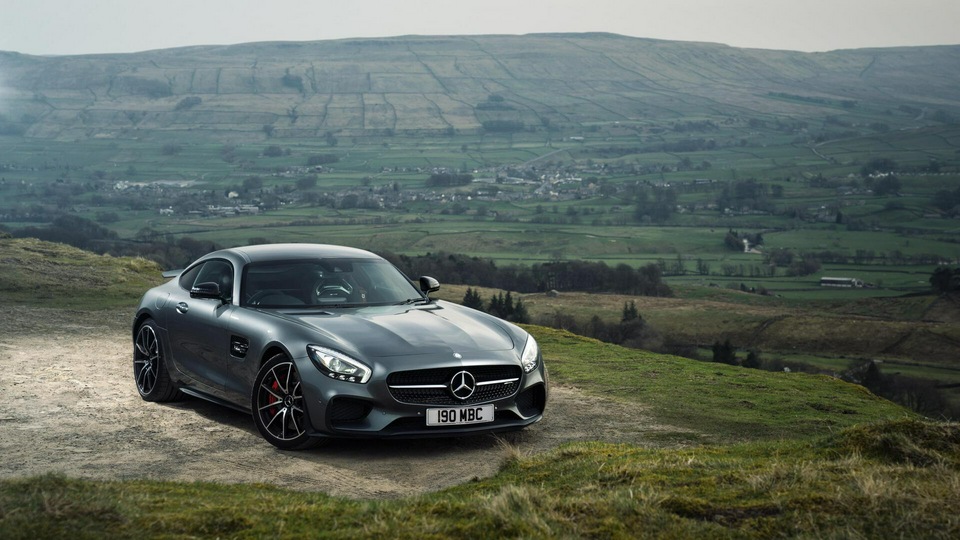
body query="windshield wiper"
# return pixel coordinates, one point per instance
(409, 301)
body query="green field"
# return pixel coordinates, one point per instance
(885, 237)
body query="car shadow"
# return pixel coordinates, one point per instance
(410, 448)
(215, 413)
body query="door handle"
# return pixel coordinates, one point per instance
(182, 307)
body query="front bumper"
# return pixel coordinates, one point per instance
(349, 410)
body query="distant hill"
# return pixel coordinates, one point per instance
(357, 87)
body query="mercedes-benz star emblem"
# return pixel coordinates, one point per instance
(463, 385)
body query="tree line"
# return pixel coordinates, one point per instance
(945, 280)
(631, 331)
(585, 276)
(924, 396)
(501, 305)
(634, 333)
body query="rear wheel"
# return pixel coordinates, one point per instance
(278, 408)
(150, 368)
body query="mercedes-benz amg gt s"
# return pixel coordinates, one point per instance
(320, 341)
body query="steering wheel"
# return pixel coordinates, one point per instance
(332, 288)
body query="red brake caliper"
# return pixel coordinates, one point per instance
(271, 399)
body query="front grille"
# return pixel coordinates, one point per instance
(401, 384)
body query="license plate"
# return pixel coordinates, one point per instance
(458, 416)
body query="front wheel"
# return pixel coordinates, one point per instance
(278, 408)
(150, 367)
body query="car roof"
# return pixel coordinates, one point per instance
(274, 252)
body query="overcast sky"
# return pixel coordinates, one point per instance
(107, 26)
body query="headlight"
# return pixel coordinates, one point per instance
(528, 360)
(339, 366)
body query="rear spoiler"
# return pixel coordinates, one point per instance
(172, 273)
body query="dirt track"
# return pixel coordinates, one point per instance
(69, 405)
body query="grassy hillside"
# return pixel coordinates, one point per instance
(742, 453)
(56, 275)
(719, 403)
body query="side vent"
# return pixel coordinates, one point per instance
(239, 346)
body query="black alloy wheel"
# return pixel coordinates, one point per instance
(149, 367)
(278, 408)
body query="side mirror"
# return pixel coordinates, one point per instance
(429, 284)
(206, 290)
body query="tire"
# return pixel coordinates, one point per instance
(278, 408)
(150, 366)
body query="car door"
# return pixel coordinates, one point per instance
(198, 328)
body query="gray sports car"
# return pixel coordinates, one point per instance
(319, 341)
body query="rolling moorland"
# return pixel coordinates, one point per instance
(538, 150)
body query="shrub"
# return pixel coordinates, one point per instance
(273, 151)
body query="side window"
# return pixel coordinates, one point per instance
(188, 278)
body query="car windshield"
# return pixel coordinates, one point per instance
(325, 283)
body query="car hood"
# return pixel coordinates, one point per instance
(409, 330)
